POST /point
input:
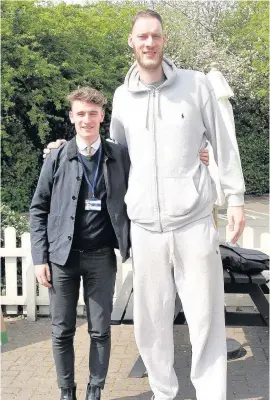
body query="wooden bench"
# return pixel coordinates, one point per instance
(254, 285)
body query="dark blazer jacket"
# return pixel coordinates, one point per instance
(53, 207)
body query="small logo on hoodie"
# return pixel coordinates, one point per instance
(182, 116)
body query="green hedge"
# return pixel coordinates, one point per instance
(251, 123)
(254, 151)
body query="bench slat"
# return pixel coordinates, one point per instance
(241, 318)
(258, 279)
(122, 300)
(239, 278)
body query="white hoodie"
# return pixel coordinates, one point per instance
(164, 130)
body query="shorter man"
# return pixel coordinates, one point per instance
(77, 218)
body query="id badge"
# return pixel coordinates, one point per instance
(93, 204)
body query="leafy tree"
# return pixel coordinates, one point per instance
(248, 36)
(247, 33)
(48, 51)
(236, 36)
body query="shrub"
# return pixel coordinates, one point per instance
(14, 219)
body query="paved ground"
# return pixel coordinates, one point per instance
(28, 369)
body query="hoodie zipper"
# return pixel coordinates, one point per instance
(156, 167)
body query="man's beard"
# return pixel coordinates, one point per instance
(149, 64)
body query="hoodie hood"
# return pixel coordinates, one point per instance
(133, 83)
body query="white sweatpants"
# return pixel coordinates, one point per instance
(187, 259)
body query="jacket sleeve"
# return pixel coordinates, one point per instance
(126, 163)
(39, 210)
(117, 130)
(225, 151)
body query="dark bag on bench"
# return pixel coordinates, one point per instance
(238, 259)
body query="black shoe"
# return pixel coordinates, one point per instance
(93, 392)
(68, 394)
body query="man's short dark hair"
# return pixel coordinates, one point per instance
(88, 95)
(147, 14)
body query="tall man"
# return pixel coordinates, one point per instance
(78, 216)
(164, 115)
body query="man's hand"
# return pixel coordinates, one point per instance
(53, 145)
(204, 156)
(43, 275)
(236, 221)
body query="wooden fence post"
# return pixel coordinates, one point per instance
(11, 270)
(29, 280)
(30, 290)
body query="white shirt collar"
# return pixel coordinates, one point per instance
(83, 146)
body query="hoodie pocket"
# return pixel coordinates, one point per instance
(180, 195)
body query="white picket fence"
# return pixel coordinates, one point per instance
(34, 297)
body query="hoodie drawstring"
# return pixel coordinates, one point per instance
(147, 113)
(158, 103)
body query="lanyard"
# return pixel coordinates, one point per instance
(92, 187)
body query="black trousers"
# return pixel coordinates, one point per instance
(98, 271)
